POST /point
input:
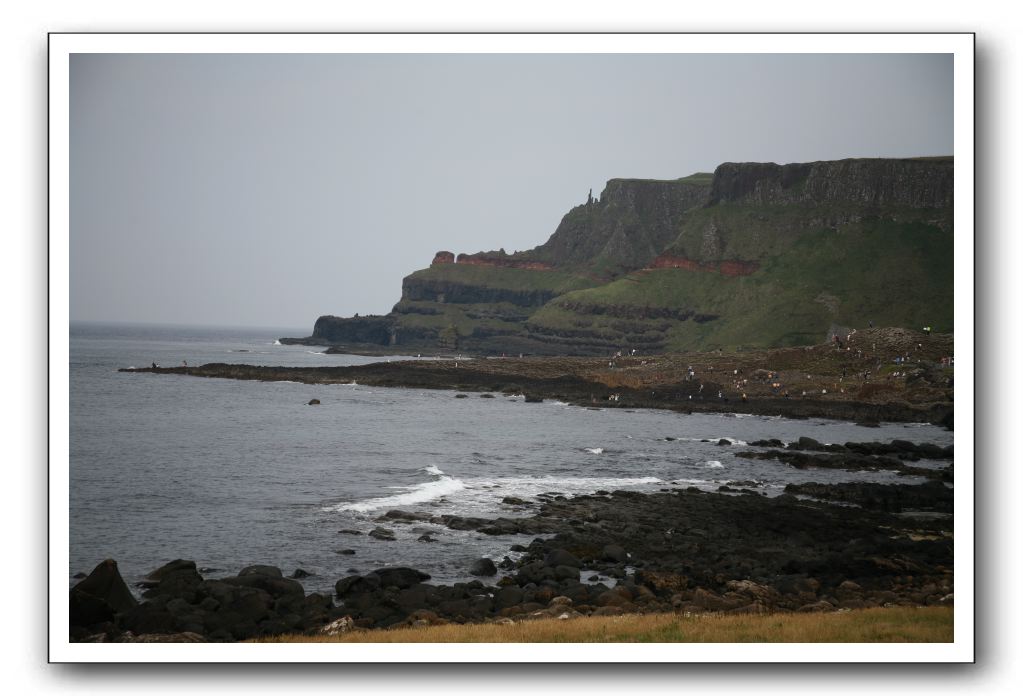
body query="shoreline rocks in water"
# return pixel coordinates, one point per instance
(809, 382)
(603, 554)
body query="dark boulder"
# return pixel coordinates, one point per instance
(399, 577)
(300, 573)
(507, 597)
(614, 553)
(270, 571)
(382, 533)
(155, 577)
(272, 585)
(100, 596)
(561, 557)
(313, 402)
(483, 567)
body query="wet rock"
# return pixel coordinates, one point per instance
(561, 557)
(614, 553)
(100, 596)
(382, 533)
(155, 577)
(300, 573)
(483, 567)
(399, 577)
(269, 571)
(313, 402)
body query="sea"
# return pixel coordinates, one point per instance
(234, 473)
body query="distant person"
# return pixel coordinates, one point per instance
(184, 363)
(154, 365)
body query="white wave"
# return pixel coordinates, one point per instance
(481, 496)
(713, 464)
(692, 481)
(595, 450)
(433, 470)
(277, 342)
(421, 493)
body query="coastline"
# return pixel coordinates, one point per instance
(587, 382)
(817, 548)
(612, 553)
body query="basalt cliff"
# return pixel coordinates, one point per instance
(753, 255)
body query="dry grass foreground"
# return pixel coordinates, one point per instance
(888, 625)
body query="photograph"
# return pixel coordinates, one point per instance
(607, 342)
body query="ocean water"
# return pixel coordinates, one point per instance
(233, 473)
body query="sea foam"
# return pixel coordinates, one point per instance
(421, 493)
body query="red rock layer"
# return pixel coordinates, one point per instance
(728, 268)
(443, 257)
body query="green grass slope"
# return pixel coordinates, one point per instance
(893, 273)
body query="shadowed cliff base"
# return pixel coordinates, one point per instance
(867, 376)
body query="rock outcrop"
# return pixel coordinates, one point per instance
(757, 254)
(914, 183)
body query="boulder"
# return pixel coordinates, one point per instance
(508, 597)
(561, 557)
(382, 533)
(614, 553)
(398, 577)
(100, 596)
(483, 567)
(313, 402)
(356, 585)
(155, 577)
(270, 571)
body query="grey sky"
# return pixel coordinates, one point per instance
(266, 190)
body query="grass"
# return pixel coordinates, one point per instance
(891, 273)
(888, 625)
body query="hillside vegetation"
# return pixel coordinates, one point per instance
(753, 256)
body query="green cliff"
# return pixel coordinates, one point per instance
(755, 255)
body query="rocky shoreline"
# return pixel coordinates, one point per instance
(541, 378)
(816, 548)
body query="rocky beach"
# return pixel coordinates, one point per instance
(815, 548)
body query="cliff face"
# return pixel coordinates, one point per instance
(913, 183)
(757, 254)
(442, 291)
(626, 228)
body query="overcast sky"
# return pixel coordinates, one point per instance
(266, 190)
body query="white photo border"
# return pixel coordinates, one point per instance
(62, 45)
